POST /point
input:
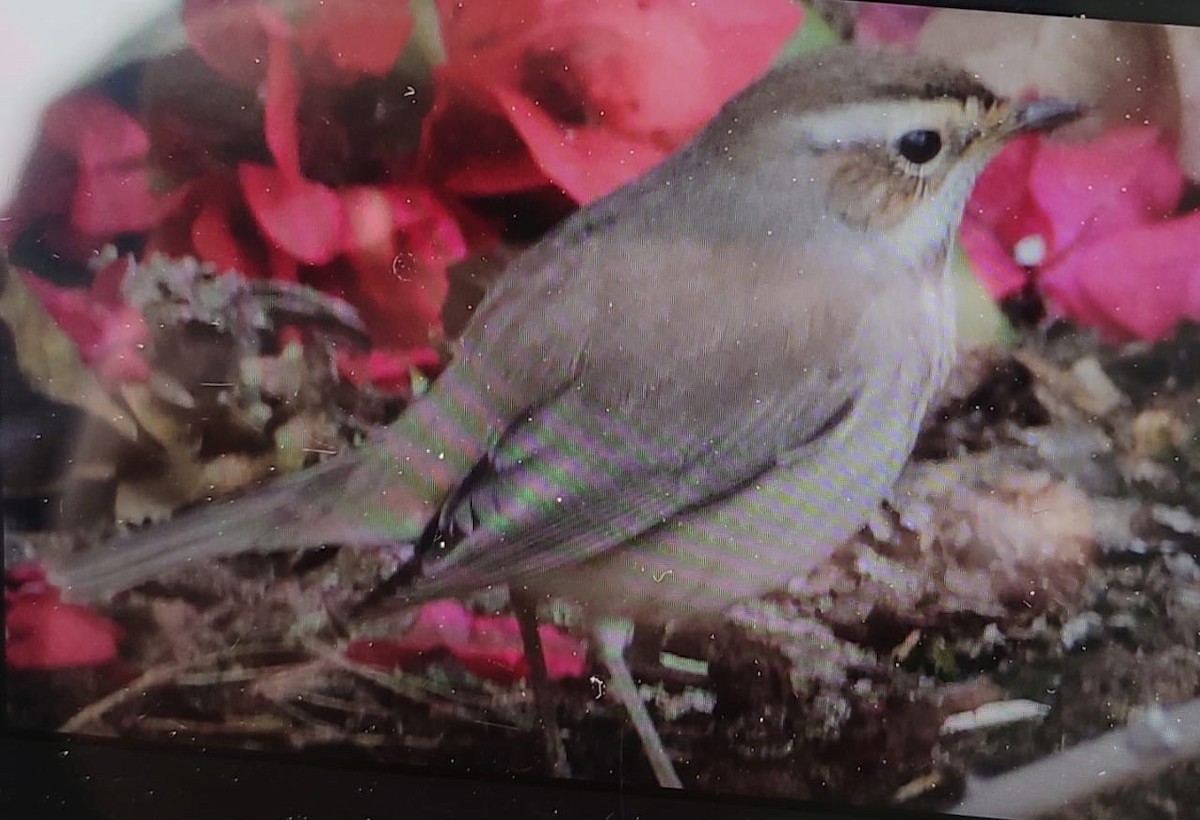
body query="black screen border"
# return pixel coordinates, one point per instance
(50, 775)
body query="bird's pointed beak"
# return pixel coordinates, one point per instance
(1042, 115)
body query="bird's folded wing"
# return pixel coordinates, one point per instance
(568, 484)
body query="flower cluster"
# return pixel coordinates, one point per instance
(1092, 227)
(572, 96)
(361, 151)
(1093, 222)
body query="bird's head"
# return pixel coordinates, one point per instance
(881, 143)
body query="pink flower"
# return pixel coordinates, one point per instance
(489, 646)
(108, 333)
(584, 96)
(42, 632)
(1090, 226)
(89, 180)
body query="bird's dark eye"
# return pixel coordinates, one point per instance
(919, 147)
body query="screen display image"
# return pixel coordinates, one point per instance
(782, 400)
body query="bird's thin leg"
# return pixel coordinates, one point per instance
(525, 609)
(612, 637)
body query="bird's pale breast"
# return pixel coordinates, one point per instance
(788, 523)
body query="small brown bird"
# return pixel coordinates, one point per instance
(690, 391)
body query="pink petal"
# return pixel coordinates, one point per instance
(991, 259)
(399, 279)
(302, 217)
(879, 24)
(742, 39)
(638, 71)
(1125, 177)
(433, 231)
(1134, 284)
(1003, 188)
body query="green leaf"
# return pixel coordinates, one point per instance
(427, 33)
(49, 360)
(815, 34)
(979, 318)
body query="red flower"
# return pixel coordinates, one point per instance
(1090, 225)
(388, 370)
(41, 632)
(489, 646)
(584, 95)
(382, 247)
(89, 178)
(109, 334)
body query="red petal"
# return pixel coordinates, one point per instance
(302, 217)
(111, 201)
(433, 231)
(108, 281)
(597, 95)
(43, 633)
(281, 101)
(399, 240)
(388, 370)
(586, 163)
(469, 146)
(94, 130)
(495, 650)
(354, 38)
(221, 231)
(229, 36)
(112, 192)
(109, 338)
(471, 25)
(490, 646)
(26, 577)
